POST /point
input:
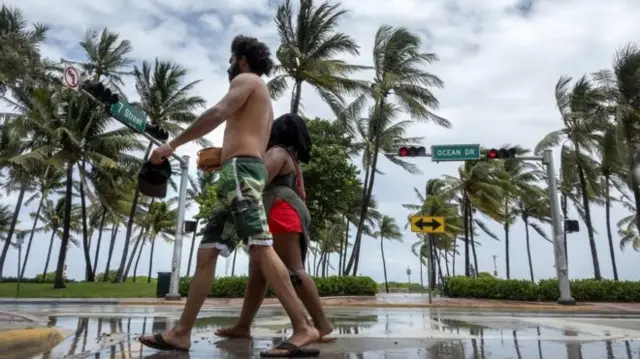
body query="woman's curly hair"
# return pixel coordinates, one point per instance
(255, 52)
(290, 131)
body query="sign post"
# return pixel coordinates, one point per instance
(427, 224)
(465, 152)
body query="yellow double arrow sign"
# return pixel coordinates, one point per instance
(427, 224)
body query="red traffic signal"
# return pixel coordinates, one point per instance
(412, 151)
(503, 153)
(100, 92)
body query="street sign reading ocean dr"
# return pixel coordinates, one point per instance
(455, 152)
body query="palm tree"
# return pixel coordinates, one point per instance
(476, 187)
(51, 217)
(532, 205)
(438, 201)
(611, 168)
(169, 104)
(387, 229)
(307, 54)
(517, 179)
(621, 89)
(373, 216)
(161, 219)
(20, 60)
(400, 75)
(627, 229)
(582, 113)
(200, 189)
(5, 222)
(52, 183)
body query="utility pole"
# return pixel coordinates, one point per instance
(495, 266)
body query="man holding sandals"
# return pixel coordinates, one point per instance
(249, 114)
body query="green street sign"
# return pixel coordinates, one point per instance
(455, 152)
(129, 115)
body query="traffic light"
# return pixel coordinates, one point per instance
(100, 92)
(571, 226)
(412, 151)
(503, 153)
(156, 132)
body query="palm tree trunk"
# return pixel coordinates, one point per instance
(587, 215)
(564, 230)
(526, 237)
(629, 133)
(297, 95)
(368, 189)
(12, 227)
(453, 259)
(612, 252)
(363, 209)
(141, 238)
(135, 266)
(420, 260)
(46, 263)
(153, 246)
(193, 243)
(114, 233)
(317, 269)
(66, 228)
(467, 262)
(507, 252)
(342, 245)
(101, 229)
(432, 272)
(33, 231)
(473, 240)
(446, 262)
(88, 272)
(127, 238)
(233, 263)
(315, 259)
(439, 263)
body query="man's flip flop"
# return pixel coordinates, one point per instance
(160, 344)
(292, 351)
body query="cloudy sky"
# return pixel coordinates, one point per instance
(499, 59)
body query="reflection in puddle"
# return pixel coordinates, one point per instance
(115, 338)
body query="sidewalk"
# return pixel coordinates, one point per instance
(23, 336)
(381, 301)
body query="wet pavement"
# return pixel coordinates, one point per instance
(110, 331)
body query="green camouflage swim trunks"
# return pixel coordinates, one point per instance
(239, 213)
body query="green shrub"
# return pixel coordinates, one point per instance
(545, 290)
(233, 287)
(47, 278)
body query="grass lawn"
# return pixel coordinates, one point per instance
(140, 289)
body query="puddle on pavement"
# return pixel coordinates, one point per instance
(366, 334)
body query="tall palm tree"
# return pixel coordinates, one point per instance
(162, 223)
(399, 76)
(20, 59)
(387, 229)
(583, 115)
(518, 179)
(169, 103)
(5, 221)
(50, 184)
(611, 168)
(309, 44)
(621, 87)
(52, 217)
(476, 187)
(533, 207)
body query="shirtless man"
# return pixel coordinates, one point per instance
(249, 114)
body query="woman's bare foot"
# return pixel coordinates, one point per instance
(324, 331)
(235, 332)
(169, 340)
(299, 339)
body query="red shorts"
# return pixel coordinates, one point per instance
(283, 218)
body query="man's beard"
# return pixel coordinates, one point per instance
(233, 71)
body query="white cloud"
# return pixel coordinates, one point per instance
(499, 68)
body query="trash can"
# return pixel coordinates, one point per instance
(162, 288)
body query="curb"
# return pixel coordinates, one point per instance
(24, 343)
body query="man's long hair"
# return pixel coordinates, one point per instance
(290, 131)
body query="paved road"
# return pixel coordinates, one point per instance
(109, 331)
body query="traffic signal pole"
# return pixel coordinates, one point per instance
(174, 293)
(560, 256)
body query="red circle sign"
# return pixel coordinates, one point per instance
(71, 77)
